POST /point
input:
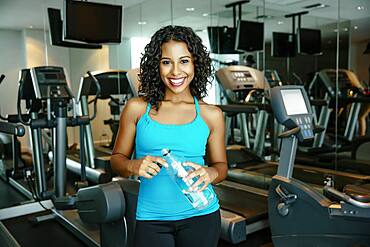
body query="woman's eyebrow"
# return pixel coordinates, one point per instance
(186, 56)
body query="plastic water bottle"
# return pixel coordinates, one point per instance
(177, 172)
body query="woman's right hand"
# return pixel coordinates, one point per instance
(149, 166)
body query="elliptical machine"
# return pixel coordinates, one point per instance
(299, 215)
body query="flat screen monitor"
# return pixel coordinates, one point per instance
(222, 40)
(92, 22)
(56, 32)
(309, 41)
(294, 102)
(283, 45)
(249, 36)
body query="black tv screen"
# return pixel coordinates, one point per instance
(309, 41)
(249, 36)
(56, 32)
(283, 45)
(222, 40)
(92, 22)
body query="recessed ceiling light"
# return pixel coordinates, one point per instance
(360, 7)
(205, 14)
(31, 26)
(355, 27)
(190, 9)
(280, 22)
(141, 22)
(345, 29)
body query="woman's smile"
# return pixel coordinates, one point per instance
(177, 82)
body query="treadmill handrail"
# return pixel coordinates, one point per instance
(346, 198)
(12, 129)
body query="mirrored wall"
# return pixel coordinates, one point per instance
(344, 27)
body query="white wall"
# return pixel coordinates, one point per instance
(120, 55)
(39, 52)
(12, 59)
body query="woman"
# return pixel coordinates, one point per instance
(174, 73)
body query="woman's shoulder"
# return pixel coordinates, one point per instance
(136, 107)
(212, 114)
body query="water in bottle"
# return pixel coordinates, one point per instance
(177, 172)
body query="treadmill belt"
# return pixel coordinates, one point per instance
(44, 234)
(252, 206)
(10, 196)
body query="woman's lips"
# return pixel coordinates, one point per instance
(176, 82)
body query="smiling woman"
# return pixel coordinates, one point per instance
(176, 67)
(171, 114)
(155, 57)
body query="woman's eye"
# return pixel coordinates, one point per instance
(165, 62)
(184, 60)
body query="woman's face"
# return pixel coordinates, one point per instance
(176, 67)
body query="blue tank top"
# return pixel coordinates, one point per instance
(159, 197)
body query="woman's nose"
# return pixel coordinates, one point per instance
(176, 69)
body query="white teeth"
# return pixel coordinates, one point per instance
(177, 81)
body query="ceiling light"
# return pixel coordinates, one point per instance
(345, 29)
(205, 14)
(280, 22)
(190, 9)
(141, 22)
(355, 27)
(31, 26)
(360, 7)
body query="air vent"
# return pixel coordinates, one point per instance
(316, 6)
(285, 2)
(228, 14)
(264, 17)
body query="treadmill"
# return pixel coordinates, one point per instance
(27, 224)
(241, 78)
(321, 154)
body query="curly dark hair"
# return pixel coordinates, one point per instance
(151, 86)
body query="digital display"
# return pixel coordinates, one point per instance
(309, 41)
(245, 42)
(222, 40)
(93, 22)
(51, 76)
(294, 102)
(283, 45)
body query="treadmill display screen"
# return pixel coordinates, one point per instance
(294, 102)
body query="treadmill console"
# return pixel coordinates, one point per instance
(292, 109)
(112, 82)
(47, 82)
(346, 80)
(237, 77)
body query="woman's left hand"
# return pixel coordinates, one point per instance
(205, 175)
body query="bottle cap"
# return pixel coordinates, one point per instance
(165, 151)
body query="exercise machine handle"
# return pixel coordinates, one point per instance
(2, 78)
(290, 132)
(346, 198)
(98, 91)
(12, 129)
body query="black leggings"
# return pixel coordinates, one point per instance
(195, 231)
